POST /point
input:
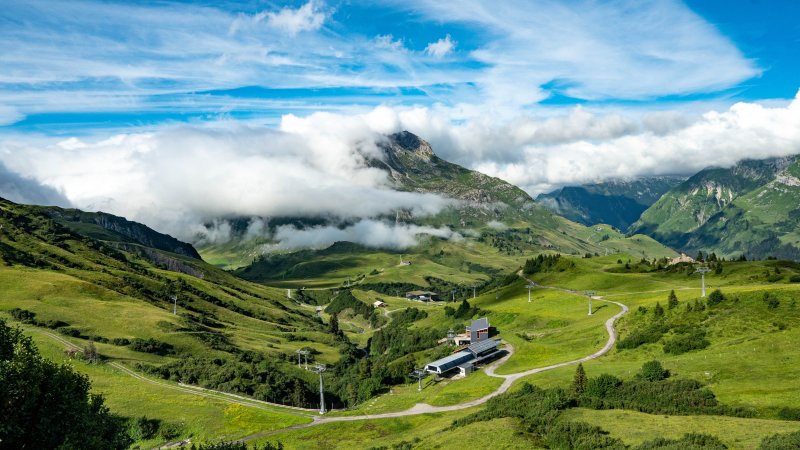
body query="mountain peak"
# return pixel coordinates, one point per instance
(408, 142)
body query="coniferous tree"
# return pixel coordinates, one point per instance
(672, 301)
(579, 381)
(658, 310)
(333, 325)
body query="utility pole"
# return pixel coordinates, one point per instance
(305, 356)
(319, 368)
(703, 271)
(454, 295)
(530, 286)
(175, 305)
(590, 294)
(473, 292)
(419, 374)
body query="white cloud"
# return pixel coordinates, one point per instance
(158, 56)
(179, 178)
(370, 233)
(20, 189)
(440, 48)
(10, 115)
(306, 18)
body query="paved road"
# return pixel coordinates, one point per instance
(508, 380)
(417, 409)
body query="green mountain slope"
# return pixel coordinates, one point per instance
(751, 208)
(109, 290)
(498, 222)
(617, 203)
(108, 227)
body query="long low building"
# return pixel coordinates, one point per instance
(470, 356)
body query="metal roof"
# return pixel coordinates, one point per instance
(480, 324)
(448, 362)
(482, 346)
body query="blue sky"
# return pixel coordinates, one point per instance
(178, 113)
(77, 67)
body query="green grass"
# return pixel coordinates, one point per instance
(635, 427)
(553, 328)
(368, 433)
(437, 393)
(750, 362)
(201, 418)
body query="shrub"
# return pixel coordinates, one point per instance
(690, 441)
(642, 336)
(120, 341)
(794, 279)
(602, 385)
(789, 413)
(23, 315)
(785, 441)
(680, 344)
(715, 298)
(142, 428)
(150, 345)
(653, 371)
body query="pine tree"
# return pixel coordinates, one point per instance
(579, 382)
(333, 325)
(672, 301)
(658, 310)
(90, 353)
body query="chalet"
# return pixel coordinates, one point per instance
(379, 304)
(422, 296)
(682, 259)
(478, 330)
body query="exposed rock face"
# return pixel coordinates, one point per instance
(114, 228)
(413, 166)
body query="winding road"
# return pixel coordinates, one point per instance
(419, 408)
(508, 380)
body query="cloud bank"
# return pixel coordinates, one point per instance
(21, 189)
(370, 233)
(179, 178)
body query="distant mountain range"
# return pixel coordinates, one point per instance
(752, 208)
(617, 203)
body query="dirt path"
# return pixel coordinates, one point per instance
(208, 393)
(508, 381)
(419, 408)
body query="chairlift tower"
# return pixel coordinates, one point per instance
(451, 337)
(174, 305)
(530, 286)
(590, 294)
(419, 374)
(319, 368)
(473, 291)
(703, 271)
(305, 353)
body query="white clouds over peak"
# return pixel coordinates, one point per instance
(441, 48)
